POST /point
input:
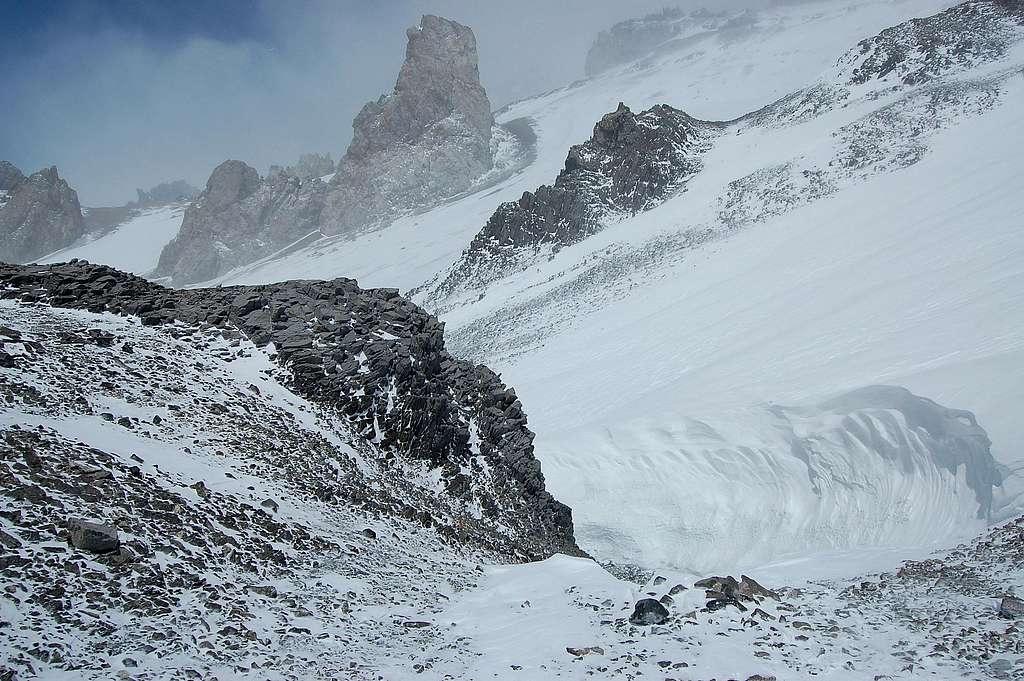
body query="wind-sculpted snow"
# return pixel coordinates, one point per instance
(380, 363)
(874, 467)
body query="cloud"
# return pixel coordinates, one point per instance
(117, 107)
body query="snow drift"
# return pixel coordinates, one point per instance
(873, 467)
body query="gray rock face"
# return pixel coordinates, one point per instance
(10, 176)
(375, 358)
(165, 193)
(632, 163)
(1011, 607)
(307, 167)
(427, 140)
(632, 39)
(41, 215)
(239, 218)
(93, 537)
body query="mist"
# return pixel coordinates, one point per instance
(118, 105)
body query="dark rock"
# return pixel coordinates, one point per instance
(1011, 607)
(408, 395)
(631, 163)
(648, 611)
(93, 537)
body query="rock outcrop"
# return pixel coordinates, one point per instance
(165, 193)
(427, 140)
(307, 167)
(239, 218)
(632, 163)
(919, 50)
(376, 359)
(41, 215)
(10, 176)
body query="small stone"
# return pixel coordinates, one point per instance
(583, 652)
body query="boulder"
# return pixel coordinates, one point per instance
(1011, 607)
(648, 611)
(41, 215)
(93, 537)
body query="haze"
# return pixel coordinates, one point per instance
(122, 95)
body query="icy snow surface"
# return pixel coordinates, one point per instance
(133, 246)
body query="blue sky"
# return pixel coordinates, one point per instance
(122, 94)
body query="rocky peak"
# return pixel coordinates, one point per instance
(42, 215)
(439, 79)
(239, 218)
(632, 163)
(165, 193)
(429, 139)
(230, 182)
(10, 176)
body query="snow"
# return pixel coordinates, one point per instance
(133, 246)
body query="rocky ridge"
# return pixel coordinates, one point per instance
(307, 167)
(165, 193)
(428, 140)
(41, 214)
(172, 510)
(909, 84)
(631, 163)
(379, 362)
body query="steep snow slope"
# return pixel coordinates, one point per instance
(912, 278)
(786, 49)
(133, 246)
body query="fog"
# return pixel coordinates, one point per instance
(117, 106)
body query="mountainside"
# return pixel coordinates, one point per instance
(40, 213)
(757, 281)
(428, 140)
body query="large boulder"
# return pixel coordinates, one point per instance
(427, 140)
(239, 218)
(41, 215)
(648, 611)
